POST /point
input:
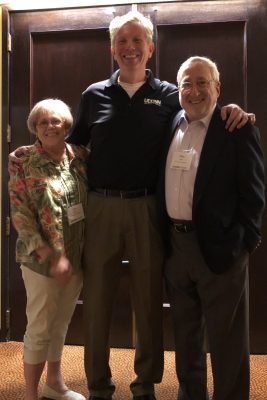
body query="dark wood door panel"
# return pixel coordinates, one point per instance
(73, 24)
(198, 11)
(65, 63)
(222, 42)
(234, 33)
(58, 54)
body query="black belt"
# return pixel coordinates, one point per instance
(123, 194)
(182, 226)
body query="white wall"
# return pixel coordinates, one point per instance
(39, 4)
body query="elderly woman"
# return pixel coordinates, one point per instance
(48, 198)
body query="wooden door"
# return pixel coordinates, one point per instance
(59, 53)
(232, 33)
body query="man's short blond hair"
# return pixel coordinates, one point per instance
(130, 17)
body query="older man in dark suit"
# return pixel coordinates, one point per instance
(214, 198)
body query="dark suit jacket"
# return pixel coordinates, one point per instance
(228, 200)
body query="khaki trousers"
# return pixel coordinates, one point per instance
(49, 310)
(118, 229)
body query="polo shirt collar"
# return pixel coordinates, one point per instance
(149, 79)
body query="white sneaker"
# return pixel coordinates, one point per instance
(68, 395)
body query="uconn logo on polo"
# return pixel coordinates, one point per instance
(152, 101)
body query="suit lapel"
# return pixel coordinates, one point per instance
(212, 146)
(174, 123)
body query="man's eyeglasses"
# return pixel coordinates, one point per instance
(187, 86)
(43, 123)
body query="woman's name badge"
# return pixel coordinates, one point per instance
(182, 160)
(75, 213)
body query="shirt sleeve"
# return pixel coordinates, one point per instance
(24, 217)
(80, 131)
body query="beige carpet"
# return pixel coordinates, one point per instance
(12, 385)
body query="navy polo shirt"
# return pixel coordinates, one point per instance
(125, 134)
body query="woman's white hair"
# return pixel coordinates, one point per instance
(48, 106)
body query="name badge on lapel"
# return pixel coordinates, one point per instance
(75, 213)
(182, 160)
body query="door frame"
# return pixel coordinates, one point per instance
(5, 225)
(255, 14)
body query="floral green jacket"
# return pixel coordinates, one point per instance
(36, 203)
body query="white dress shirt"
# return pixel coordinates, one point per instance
(182, 164)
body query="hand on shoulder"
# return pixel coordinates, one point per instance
(14, 158)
